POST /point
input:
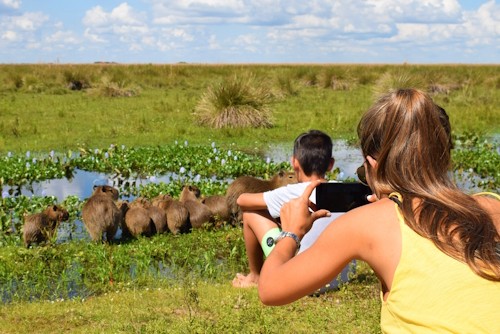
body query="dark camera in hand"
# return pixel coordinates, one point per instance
(341, 196)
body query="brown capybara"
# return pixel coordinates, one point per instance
(100, 214)
(250, 184)
(39, 227)
(218, 205)
(137, 221)
(158, 215)
(177, 213)
(199, 213)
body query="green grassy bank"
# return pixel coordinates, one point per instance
(139, 105)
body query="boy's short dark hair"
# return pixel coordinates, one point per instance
(313, 150)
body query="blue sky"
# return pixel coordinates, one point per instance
(243, 31)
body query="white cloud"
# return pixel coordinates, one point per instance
(10, 4)
(93, 37)
(26, 22)
(269, 29)
(480, 27)
(122, 23)
(483, 26)
(182, 34)
(10, 36)
(64, 37)
(122, 15)
(95, 17)
(248, 42)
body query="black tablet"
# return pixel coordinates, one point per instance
(340, 196)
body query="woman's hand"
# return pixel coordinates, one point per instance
(295, 215)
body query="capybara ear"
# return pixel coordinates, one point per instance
(54, 208)
(282, 173)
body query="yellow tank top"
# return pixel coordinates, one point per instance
(434, 293)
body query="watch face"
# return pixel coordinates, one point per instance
(270, 241)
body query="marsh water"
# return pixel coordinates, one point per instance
(347, 159)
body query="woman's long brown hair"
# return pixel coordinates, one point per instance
(410, 137)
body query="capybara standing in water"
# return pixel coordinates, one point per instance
(39, 227)
(100, 213)
(218, 205)
(249, 184)
(177, 213)
(199, 213)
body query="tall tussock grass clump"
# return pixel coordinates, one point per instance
(110, 88)
(235, 103)
(336, 79)
(394, 80)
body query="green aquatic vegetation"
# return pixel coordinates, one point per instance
(477, 160)
(182, 159)
(82, 268)
(16, 169)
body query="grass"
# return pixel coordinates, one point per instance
(239, 102)
(203, 308)
(149, 107)
(199, 307)
(40, 113)
(195, 297)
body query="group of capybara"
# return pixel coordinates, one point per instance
(103, 213)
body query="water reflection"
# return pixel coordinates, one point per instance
(347, 159)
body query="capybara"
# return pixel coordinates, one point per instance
(158, 215)
(39, 227)
(199, 213)
(177, 213)
(100, 214)
(137, 221)
(250, 184)
(218, 205)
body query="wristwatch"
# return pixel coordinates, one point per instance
(284, 234)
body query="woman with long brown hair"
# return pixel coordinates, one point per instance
(434, 248)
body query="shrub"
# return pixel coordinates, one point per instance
(235, 103)
(110, 88)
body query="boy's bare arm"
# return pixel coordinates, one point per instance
(251, 201)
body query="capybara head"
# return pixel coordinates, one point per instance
(189, 193)
(283, 178)
(162, 201)
(194, 190)
(56, 213)
(106, 190)
(141, 202)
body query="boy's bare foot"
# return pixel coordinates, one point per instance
(248, 281)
